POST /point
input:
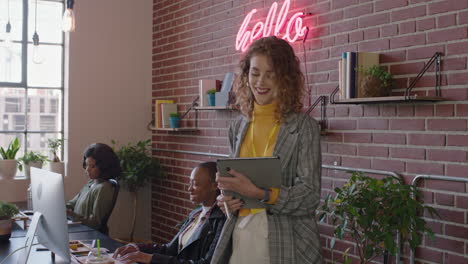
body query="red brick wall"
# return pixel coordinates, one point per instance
(194, 40)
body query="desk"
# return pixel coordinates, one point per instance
(18, 231)
(76, 232)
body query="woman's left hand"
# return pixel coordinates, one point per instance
(239, 183)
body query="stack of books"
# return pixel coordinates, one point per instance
(350, 66)
(162, 111)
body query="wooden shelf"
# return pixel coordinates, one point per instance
(213, 108)
(389, 99)
(175, 129)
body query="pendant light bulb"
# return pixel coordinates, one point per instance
(7, 42)
(37, 56)
(68, 21)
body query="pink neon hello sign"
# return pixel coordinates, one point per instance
(264, 29)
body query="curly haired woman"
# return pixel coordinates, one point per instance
(269, 91)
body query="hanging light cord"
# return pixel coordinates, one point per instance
(35, 18)
(8, 25)
(35, 35)
(8, 6)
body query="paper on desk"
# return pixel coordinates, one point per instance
(70, 222)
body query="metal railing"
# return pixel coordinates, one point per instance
(433, 177)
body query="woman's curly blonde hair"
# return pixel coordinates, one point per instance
(288, 74)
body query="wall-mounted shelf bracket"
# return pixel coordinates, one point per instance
(438, 78)
(322, 101)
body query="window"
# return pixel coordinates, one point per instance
(53, 105)
(41, 105)
(6, 121)
(28, 90)
(13, 105)
(47, 123)
(18, 124)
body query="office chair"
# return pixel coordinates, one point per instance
(104, 228)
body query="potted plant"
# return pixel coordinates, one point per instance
(7, 211)
(174, 120)
(138, 168)
(8, 163)
(377, 81)
(211, 97)
(56, 165)
(31, 159)
(371, 211)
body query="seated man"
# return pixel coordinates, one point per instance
(196, 240)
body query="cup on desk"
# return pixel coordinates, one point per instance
(98, 256)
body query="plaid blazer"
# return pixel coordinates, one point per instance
(292, 230)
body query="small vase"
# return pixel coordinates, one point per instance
(27, 167)
(174, 121)
(211, 99)
(8, 169)
(57, 167)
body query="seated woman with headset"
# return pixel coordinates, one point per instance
(93, 204)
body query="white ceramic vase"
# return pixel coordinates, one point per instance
(8, 169)
(57, 167)
(27, 167)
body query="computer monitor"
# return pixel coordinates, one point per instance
(49, 219)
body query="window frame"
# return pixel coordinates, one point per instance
(23, 84)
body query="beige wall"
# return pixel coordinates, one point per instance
(109, 89)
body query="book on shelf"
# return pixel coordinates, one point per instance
(157, 111)
(342, 76)
(222, 97)
(204, 86)
(365, 60)
(166, 110)
(351, 66)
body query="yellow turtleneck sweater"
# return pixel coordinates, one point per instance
(263, 140)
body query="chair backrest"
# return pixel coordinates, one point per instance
(104, 229)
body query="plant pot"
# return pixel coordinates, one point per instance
(57, 167)
(8, 169)
(5, 230)
(211, 99)
(174, 122)
(27, 167)
(372, 87)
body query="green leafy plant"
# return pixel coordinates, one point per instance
(10, 152)
(372, 210)
(54, 144)
(175, 114)
(31, 157)
(380, 73)
(138, 168)
(7, 210)
(211, 91)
